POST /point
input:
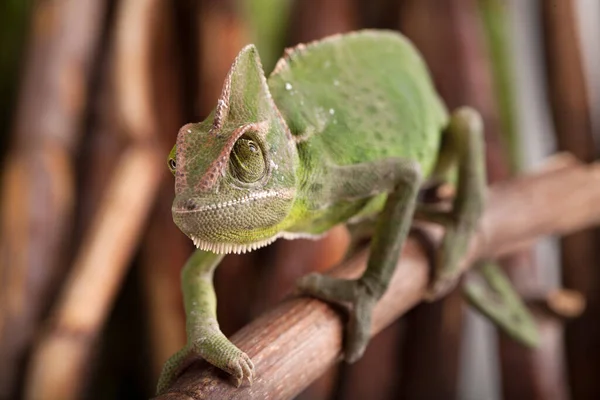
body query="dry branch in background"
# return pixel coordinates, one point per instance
(456, 54)
(165, 248)
(294, 343)
(58, 367)
(37, 193)
(571, 113)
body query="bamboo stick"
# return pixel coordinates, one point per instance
(449, 35)
(59, 363)
(37, 193)
(58, 366)
(571, 114)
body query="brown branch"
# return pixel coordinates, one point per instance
(572, 117)
(95, 279)
(295, 342)
(37, 179)
(58, 366)
(558, 304)
(165, 248)
(450, 36)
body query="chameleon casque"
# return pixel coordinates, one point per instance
(347, 129)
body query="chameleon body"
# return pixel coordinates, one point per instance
(345, 129)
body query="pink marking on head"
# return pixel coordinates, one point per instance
(217, 167)
(179, 159)
(222, 106)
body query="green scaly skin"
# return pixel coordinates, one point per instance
(346, 129)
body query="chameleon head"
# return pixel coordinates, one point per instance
(235, 172)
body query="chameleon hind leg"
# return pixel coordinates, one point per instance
(493, 295)
(204, 338)
(463, 145)
(402, 180)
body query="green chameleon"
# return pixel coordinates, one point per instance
(345, 130)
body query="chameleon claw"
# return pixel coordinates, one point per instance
(441, 287)
(242, 368)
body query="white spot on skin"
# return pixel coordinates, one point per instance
(336, 83)
(288, 86)
(273, 165)
(189, 131)
(331, 111)
(327, 64)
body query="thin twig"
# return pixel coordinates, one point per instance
(295, 342)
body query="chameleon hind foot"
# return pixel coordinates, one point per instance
(218, 351)
(343, 291)
(446, 272)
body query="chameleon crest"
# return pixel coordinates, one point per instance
(235, 172)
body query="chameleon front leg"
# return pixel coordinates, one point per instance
(392, 228)
(204, 338)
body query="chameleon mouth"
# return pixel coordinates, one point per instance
(251, 197)
(242, 248)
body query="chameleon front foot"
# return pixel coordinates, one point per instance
(353, 292)
(218, 351)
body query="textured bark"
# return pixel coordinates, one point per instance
(294, 343)
(571, 114)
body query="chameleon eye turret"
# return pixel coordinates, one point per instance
(247, 163)
(172, 164)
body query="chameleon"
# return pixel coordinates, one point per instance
(346, 130)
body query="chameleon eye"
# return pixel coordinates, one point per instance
(247, 163)
(172, 164)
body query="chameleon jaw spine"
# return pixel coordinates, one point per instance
(231, 248)
(242, 248)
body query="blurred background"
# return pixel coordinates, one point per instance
(92, 93)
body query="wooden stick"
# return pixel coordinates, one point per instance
(295, 342)
(37, 193)
(450, 36)
(572, 117)
(64, 351)
(57, 369)
(560, 304)
(164, 248)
